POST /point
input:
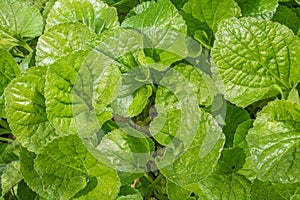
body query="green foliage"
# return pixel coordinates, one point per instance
(166, 99)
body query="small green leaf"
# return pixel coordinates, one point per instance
(97, 15)
(274, 142)
(258, 8)
(26, 110)
(288, 17)
(11, 176)
(21, 18)
(255, 59)
(294, 95)
(62, 40)
(234, 117)
(25, 193)
(8, 71)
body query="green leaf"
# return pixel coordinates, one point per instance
(78, 91)
(7, 40)
(25, 193)
(31, 177)
(274, 142)
(8, 71)
(26, 110)
(165, 126)
(255, 59)
(176, 192)
(122, 45)
(164, 32)
(126, 150)
(276, 191)
(11, 176)
(97, 15)
(20, 18)
(234, 117)
(7, 153)
(225, 182)
(288, 17)
(203, 17)
(62, 40)
(134, 104)
(129, 193)
(261, 9)
(198, 82)
(205, 149)
(73, 168)
(294, 95)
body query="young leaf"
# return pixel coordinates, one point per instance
(97, 15)
(26, 110)
(274, 142)
(8, 71)
(207, 14)
(72, 169)
(258, 8)
(20, 18)
(255, 59)
(62, 40)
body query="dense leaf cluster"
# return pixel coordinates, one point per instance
(166, 99)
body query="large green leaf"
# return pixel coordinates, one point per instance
(78, 91)
(26, 110)
(258, 8)
(197, 160)
(203, 17)
(21, 18)
(164, 32)
(97, 15)
(255, 59)
(8, 71)
(72, 169)
(274, 142)
(288, 17)
(126, 150)
(61, 40)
